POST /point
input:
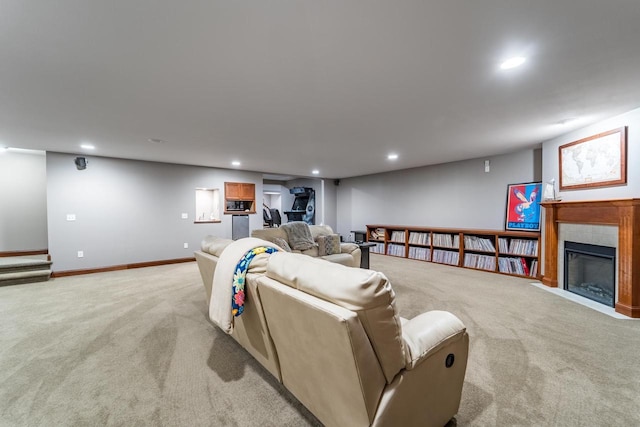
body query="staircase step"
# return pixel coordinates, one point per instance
(17, 270)
(20, 277)
(14, 268)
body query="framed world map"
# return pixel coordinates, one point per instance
(596, 161)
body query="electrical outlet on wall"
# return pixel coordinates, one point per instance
(186, 246)
(80, 254)
(185, 215)
(71, 217)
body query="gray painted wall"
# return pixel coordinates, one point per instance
(459, 194)
(23, 201)
(551, 168)
(130, 211)
(286, 201)
(330, 205)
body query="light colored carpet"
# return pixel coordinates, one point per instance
(135, 348)
(129, 348)
(535, 359)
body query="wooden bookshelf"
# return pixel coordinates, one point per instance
(514, 253)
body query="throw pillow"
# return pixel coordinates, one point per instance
(328, 245)
(282, 243)
(299, 235)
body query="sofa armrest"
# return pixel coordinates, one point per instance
(353, 250)
(207, 265)
(426, 333)
(214, 245)
(347, 248)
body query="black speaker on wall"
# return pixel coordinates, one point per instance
(81, 163)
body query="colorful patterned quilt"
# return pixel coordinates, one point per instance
(238, 298)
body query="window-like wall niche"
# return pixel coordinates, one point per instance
(207, 205)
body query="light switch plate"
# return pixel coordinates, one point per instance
(186, 246)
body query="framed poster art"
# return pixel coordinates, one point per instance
(523, 207)
(597, 161)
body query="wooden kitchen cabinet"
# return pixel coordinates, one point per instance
(239, 197)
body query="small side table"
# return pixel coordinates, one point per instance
(364, 248)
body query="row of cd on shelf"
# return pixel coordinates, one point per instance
(511, 265)
(527, 247)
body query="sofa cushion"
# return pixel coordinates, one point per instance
(313, 252)
(269, 233)
(320, 230)
(328, 245)
(282, 243)
(326, 358)
(344, 259)
(366, 292)
(299, 235)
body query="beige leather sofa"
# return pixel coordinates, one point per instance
(349, 255)
(207, 258)
(332, 336)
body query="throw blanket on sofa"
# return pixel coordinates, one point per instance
(237, 301)
(299, 235)
(222, 290)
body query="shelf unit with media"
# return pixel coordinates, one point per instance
(514, 253)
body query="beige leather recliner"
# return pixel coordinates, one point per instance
(332, 335)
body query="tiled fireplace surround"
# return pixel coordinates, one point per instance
(602, 235)
(614, 223)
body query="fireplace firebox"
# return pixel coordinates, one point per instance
(589, 271)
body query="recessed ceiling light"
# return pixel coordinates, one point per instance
(514, 62)
(88, 146)
(569, 121)
(315, 171)
(392, 156)
(235, 163)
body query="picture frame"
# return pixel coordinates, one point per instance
(596, 161)
(523, 206)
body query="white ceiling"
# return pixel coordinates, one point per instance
(287, 86)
